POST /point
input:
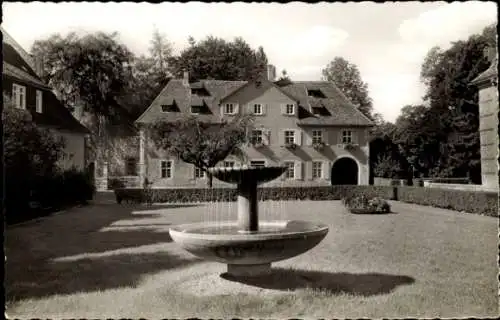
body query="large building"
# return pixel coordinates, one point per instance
(309, 126)
(487, 83)
(28, 92)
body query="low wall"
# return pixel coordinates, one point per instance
(453, 186)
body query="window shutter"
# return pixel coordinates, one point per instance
(309, 168)
(221, 108)
(173, 168)
(326, 170)
(267, 136)
(283, 108)
(282, 137)
(294, 109)
(298, 170)
(236, 108)
(354, 135)
(309, 138)
(298, 137)
(324, 136)
(264, 108)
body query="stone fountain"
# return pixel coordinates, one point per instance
(248, 246)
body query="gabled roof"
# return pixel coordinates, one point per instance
(488, 74)
(258, 85)
(177, 91)
(341, 111)
(19, 67)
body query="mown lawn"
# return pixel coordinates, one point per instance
(112, 261)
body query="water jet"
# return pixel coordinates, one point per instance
(248, 246)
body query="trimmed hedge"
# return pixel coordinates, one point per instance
(271, 193)
(480, 202)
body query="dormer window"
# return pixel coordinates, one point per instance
(316, 93)
(201, 92)
(168, 108)
(39, 101)
(195, 109)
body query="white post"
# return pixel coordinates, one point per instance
(105, 175)
(142, 155)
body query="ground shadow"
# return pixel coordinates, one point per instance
(89, 274)
(372, 213)
(90, 248)
(366, 284)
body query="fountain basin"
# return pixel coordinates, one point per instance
(257, 175)
(248, 252)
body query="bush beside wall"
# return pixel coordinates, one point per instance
(270, 193)
(480, 202)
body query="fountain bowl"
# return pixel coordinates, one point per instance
(248, 253)
(245, 173)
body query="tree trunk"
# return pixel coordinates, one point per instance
(210, 180)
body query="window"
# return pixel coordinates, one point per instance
(289, 136)
(346, 136)
(195, 109)
(228, 163)
(257, 136)
(39, 101)
(290, 109)
(317, 136)
(317, 169)
(131, 166)
(290, 172)
(166, 169)
(229, 108)
(168, 108)
(315, 93)
(257, 108)
(19, 96)
(198, 173)
(258, 163)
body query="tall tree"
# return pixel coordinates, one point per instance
(160, 51)
(447, 74)
(347, 78)
(88, 71)
(201, 143)
(216, 58)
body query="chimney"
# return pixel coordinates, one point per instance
(271, 72)
(185, 78)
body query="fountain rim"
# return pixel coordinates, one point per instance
(244, 168)
(182, 230)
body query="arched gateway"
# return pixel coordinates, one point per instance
(345, 171)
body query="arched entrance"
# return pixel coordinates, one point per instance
(345, 171)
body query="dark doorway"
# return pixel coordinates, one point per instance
(345, 171)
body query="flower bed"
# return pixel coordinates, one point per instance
(363, 204)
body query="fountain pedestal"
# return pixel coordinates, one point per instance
(248, 210)
(248, 270)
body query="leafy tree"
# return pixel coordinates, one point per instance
(453, 115)
(88, 71)
(202, 143)
(30, 152)
(150, 74)
(347, 78)
(216, 58)
(387, 167)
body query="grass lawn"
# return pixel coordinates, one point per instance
(114, 261)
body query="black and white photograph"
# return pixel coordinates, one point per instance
(221, 160)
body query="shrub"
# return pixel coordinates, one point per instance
(366, 204)
(268, 193)
(480, 202)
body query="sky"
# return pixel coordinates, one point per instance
(387, 41)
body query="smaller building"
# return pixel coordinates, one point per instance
(487, 83)
(28, 92)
